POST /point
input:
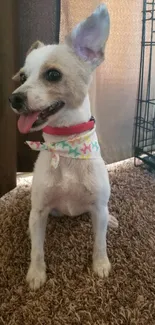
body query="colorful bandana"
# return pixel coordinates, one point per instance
(83, 146)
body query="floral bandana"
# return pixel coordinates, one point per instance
(83, 146)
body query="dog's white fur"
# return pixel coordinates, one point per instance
(76, 186)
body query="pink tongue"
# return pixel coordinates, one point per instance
(25, 122)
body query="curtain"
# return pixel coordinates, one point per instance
(113, 92)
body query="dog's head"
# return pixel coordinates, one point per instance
(58, 76)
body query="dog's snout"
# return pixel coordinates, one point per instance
(17, 101)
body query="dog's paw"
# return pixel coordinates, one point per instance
(113, 222)
(36, 276)
(102, 267)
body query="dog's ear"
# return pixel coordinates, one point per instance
(88, 38)
(35, 46)
(16, 77)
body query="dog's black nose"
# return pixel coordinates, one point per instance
(17, 101)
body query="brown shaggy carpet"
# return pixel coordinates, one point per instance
(72, 293)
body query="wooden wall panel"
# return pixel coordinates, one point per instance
(8, 34)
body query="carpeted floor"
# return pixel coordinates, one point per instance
(73, 294)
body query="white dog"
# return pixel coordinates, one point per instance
(69, 175)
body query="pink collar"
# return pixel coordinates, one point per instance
(70, 130)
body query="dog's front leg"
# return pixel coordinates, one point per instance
(100, 217)
(36, 275)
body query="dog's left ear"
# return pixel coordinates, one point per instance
(34, 46)
(88, 38)
(16, 77)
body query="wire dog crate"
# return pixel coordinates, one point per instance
(144, 131)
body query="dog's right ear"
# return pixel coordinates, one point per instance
(34, 46)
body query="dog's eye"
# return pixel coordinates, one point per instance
(22, 78)
(53, 75)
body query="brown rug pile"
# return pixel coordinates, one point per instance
(73, 294)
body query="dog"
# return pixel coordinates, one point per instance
(53, 97)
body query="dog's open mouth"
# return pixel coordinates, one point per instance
(32, 120)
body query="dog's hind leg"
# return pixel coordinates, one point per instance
(100, 218)
(36, 275)
(112, 222)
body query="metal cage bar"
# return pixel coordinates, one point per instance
(144, 128)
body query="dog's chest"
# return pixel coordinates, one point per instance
(71, 188)
(71, 193)
(72, 199)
